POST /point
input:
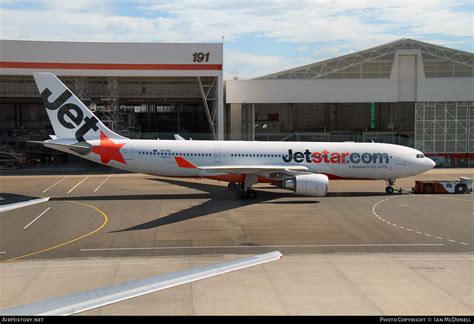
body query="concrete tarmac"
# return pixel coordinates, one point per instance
(399, 254)
(141, 215)
(298, 284)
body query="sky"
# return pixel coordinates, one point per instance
(260, 37)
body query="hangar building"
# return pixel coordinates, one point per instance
(406, 92)
(141, 90)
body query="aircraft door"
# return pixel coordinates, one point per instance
(400, 158)
(217, 155)
(127, 150)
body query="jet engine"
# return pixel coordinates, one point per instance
(315, 185)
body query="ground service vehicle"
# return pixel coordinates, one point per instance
(463, 185)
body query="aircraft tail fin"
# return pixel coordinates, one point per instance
(69, 116)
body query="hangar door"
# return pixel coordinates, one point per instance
(407, 78)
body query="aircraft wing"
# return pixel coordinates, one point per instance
(86, 300)
(241, 169)
(249, 169)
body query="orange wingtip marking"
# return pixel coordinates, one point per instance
(183, 163)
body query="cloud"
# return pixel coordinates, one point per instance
(331, 51)
(324, 27)
(245, 65)
(309, 21)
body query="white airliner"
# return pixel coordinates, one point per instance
(303, 167)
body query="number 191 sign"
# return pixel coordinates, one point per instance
(200, 57)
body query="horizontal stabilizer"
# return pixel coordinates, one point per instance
(78, 147)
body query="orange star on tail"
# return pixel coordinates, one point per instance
(108, 150)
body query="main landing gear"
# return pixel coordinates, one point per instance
(244, 190)
(389, 189)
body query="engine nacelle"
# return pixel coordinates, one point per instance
(314, 185)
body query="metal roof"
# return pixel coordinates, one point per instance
(386, 51)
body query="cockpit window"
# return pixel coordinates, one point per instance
(420, 156)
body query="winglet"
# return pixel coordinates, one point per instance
(183, 163)
(178, 137)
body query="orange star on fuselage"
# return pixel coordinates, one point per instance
(108, 150)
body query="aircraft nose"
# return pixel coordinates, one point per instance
(431, 163)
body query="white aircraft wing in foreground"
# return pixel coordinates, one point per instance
(86, 300)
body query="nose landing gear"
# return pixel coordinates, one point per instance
(389, 189)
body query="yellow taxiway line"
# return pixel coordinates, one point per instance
(106, 219)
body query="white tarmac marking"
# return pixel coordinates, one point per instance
(78, 184)
(50, 264)
(250, 247)
(57, 182)
(407, 229)
(36, 218)
(3, 252)
(95, 190)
